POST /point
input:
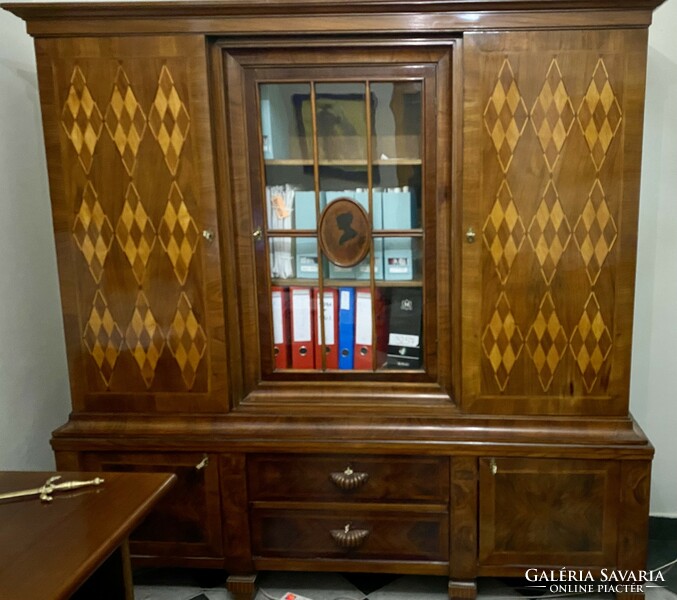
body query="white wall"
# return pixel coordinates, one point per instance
(653, 392)
(34, 396)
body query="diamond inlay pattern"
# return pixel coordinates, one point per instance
(187, 341)
(599, 114)
(502, 341)
(144, 338)
(102, 337)
(178, 234)
(125, 120)
(552, 115)
(590, 342)
(503, 232)
(595, 232)
(549, 232)
(93, 232)
(81, 119)
(505, 115)
(135, 233)
(546, 341)
(169, 120)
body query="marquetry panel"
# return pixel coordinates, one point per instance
(548, 512)
(550, 189)
(133, 185)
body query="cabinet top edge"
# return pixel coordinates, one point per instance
(182, 9)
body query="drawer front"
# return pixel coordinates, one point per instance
(548, 512)
(187, 521)
(348, 477)
(372, 535)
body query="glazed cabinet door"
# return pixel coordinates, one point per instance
(552, 139)
(129, 152)
(186, 523)
(339, 169)
(546, 512)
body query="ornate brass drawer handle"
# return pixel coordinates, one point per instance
(349, 480)
(349, 538)
(203, 463)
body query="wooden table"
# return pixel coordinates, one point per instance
(75, 546)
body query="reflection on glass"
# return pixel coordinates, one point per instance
(396, 121)
(282, 136)
(341, 121)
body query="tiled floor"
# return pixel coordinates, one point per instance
(179, 585)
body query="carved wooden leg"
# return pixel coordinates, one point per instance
(242, 587)
(462, 590)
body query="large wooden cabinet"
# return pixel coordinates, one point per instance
(494, 436)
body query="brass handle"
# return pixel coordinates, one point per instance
(208, 235)
(257, 234)
(203, 463)
(349, 538)
(348, 480)
(492, 466)
(470, 235)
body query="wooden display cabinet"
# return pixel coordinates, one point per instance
(362, 274)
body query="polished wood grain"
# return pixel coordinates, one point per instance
(548, 512)
(464, 524)
(48, 550)
(187, 521)
(549, 278)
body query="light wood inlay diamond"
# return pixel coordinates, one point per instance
(187, 340)
(135, 233)
(81, 119)
(503, 232)
(178, 234)
(599, 114)
(595, 232)
(590, 342)
(505, 115)
(103, 337)
(125, 120)
(502, 341)
(549, 232)
(546, 341)
(552, 115)
(169, 120)
(144, 338)
(93, 232)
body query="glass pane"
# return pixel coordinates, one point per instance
(402, 258)
(397, 195)
(292, 258)
(341, 121)
(396, 121)
(283, 134)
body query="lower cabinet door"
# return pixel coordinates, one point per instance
(187, 521)
(545, 512)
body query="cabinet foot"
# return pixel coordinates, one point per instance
(242, 587)
(633, 596)
(462, 589)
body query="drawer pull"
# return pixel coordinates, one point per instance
(349, 538)
(349, 480)
(202, 464)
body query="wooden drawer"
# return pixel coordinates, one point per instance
(348, 477)
(187, 521)
(548, 511)
(398, 535)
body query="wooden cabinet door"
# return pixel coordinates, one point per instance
(552, 139)
(547, 512)
(132, 186)
(187, 521)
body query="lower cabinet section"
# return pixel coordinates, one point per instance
(187, 522)
(351, 532)
(548, 512)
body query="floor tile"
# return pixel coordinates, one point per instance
(413, 587)
(165, 592)
(317, 586)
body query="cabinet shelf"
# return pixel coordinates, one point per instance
(302, 162)
(335, 283)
